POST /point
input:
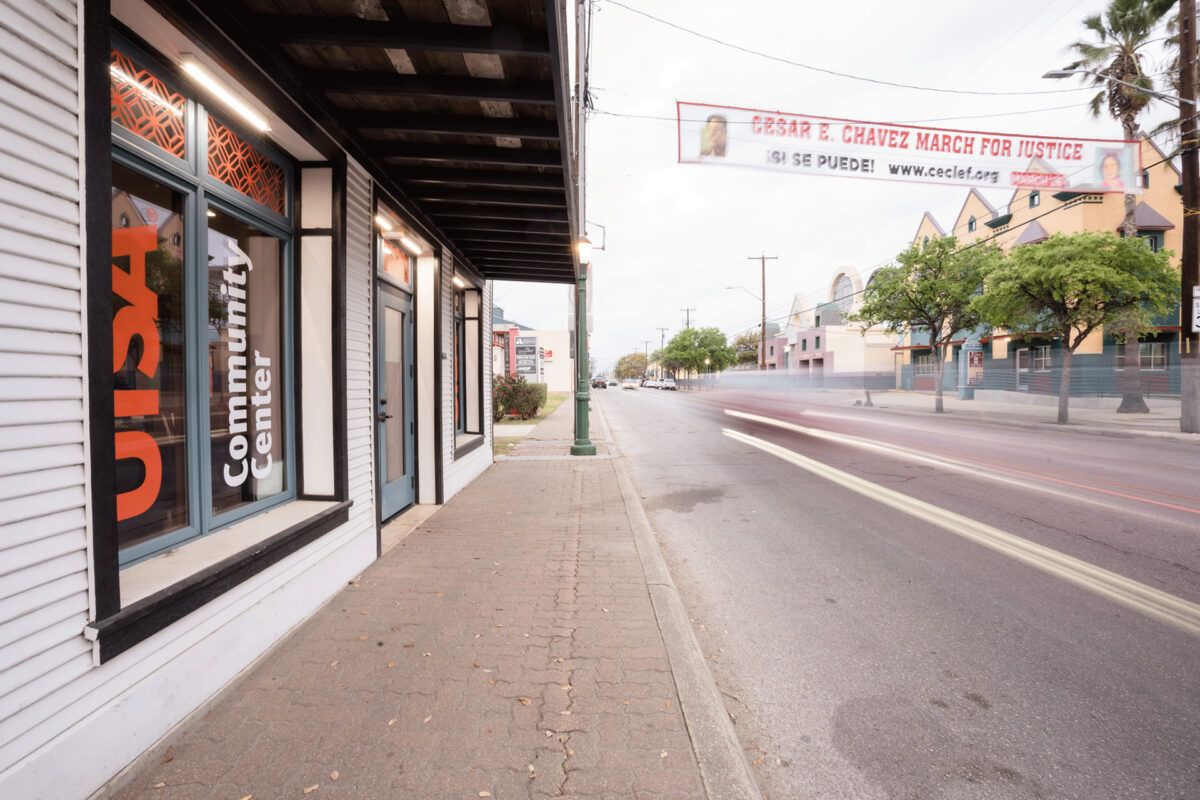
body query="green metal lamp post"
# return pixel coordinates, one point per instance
(583, 445)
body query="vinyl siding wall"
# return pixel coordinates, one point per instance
(43, 428)
(360, 424)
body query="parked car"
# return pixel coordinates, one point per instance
(629, 383)
(652, 383)
(667, 383)
(613, 383)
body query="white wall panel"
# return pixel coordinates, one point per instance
(43, 544)
(360, 395)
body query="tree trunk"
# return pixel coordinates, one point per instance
(1131, 379)
(1132, 401)
(1064, 387)
(937, 381)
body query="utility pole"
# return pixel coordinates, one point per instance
(688, 311)
(762, 342)
(1189, 263)
(646, 342)
(662, 337)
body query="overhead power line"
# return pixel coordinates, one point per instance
(824, 70)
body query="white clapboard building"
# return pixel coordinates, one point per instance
(246, 256)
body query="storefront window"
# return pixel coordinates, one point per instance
(201, 314)
(149, 376)
(245, 358)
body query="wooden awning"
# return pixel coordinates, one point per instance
(460, 108)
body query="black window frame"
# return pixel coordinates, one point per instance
(114, 628)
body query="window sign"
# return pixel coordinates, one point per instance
(149, 394)
(245, 358)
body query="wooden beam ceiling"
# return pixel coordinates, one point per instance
(504, 40)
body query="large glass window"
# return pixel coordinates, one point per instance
(149, 373)
(201, 317)
(245, 362)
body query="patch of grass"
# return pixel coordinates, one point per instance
(553, 401)
(503, 445)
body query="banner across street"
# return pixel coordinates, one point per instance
(810, 145)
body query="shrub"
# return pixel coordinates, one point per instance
(504, 394)
(526, 404)
(543, 390)
(513, 394)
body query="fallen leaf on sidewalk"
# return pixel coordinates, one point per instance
(408, 646)
(441, 594)
(524, 701)
(668, 704)
(333, 776)
(663, 754)
(428, 718)
(482, 794)
(168, 756)
(391, 664)
(312, 788)
(361, 638)
(158, 786)
(247, 797)
(333, 663)
(392, 721)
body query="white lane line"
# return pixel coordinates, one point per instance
(1137, 596)
(996, 474)
(909, 426)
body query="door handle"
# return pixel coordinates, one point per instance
(384, 416)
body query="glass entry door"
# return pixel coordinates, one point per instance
(394, 378)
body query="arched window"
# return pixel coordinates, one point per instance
(843, 292)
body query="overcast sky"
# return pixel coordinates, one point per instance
(678, 234)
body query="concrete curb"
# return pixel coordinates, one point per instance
(724, 769)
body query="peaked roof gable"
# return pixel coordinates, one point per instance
(1032, 233)
(1146, 218)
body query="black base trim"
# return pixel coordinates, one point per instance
(148, 616)
(474, 444)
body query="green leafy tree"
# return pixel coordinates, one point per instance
(928, 291)
(1070, 286)
(1122, 34)
(746, 346)
(688, 349)
(631, 366)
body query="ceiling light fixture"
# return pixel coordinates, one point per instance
(411, 246)
(202, 76)
(383, 222)
(459, 282)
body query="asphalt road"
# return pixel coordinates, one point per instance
(904, 606)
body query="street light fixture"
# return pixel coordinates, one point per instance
(1168, 98)
(583, 444)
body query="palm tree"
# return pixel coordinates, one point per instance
(1123, 33)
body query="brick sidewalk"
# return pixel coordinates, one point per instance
(506, 648)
